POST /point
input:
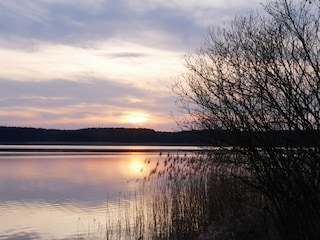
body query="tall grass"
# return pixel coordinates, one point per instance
(182, 199)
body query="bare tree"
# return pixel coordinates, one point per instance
(259, 79)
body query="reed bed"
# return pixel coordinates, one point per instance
(183, 199)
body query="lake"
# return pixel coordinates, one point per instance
(72, 192)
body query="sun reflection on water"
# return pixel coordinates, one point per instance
(136, 166)
(47, 194)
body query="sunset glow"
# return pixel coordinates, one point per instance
(136, 166)
(81, 64)
(135, 118)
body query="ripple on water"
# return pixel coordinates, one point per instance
(38, 220)
(13, 234)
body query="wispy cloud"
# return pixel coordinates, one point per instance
(125, 55)
(80, 63)
(69, 104)
(145, 21)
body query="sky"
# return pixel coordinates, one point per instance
(71, 64)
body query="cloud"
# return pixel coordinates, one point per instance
(122, 62)
(84, 63)
(125, 55)
(64, 92)
(159, 24)
(69, 104)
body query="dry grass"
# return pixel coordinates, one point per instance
(182, 199)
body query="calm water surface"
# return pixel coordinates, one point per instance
(69, 192)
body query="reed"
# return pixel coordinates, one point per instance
(182, 199)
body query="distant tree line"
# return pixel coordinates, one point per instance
(148, 136)
(96, 135)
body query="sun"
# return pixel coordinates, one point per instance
(135, 118)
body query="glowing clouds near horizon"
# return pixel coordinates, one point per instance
(78, 64)
(135, 118)
(72, 86)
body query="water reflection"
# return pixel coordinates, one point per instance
(81, 177)
(62, 196)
